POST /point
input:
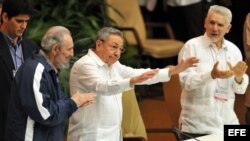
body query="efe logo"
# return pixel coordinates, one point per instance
(239, 132)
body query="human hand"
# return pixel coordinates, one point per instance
(182, 65)
(216, 73)
(83, 99)
(239, 70)
(145, 76)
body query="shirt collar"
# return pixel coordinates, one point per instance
(48, 60)
(97, 59)
(10, 41)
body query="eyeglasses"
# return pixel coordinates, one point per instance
(115, 47)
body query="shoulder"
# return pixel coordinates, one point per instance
(84, 63)
(230, 44)
(195, 40)
(194, 43)
(37, 61)
(90, 59)
(28, 67)
(29, 43)
(33, 61)
(83, 60)
(231, 47)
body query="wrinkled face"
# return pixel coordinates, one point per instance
(15, 26)
(216, 27)
(64, 53)
(110, 50)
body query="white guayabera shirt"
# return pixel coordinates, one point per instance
(207, 104)
(101, 121)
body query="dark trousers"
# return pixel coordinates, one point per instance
(185, 135)
(248, 116)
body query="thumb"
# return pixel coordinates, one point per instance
(216, 64)
(230, 65)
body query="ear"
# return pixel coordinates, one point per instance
(205, 23)
(55, 49)
(98, 44)
(5, 17)
(228, 28)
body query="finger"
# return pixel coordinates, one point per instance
(231, 73)
(146, 76)
(181, 61)
(230, 65)
(246, 68)
(225, 74)
(157, 70)
(242, 63)
(93, 94)
(151, 74)
(194, 60)
(216, 64)
(89, 102)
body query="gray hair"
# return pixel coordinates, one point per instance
(54, 35)
(222, 11)
(104, 33)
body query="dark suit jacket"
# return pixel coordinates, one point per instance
(6, 75)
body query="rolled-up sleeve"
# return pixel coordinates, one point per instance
(241, 88)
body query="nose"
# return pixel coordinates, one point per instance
(72, 53)
(24, 25)
(118, 52)
(215, 27)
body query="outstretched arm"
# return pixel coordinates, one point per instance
(143, 77)
(183, 65)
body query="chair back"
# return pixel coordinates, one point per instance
(172, 94)
(127, 14)
(133, 127)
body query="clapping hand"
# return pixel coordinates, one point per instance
(83, 99)
(239, 70)
(222, 74)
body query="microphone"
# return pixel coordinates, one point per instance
(178, 131)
